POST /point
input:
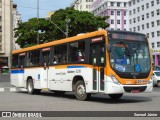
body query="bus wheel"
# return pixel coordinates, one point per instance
(80, 91)
(59, 92)
(158, 83)
(30, 87)
(115, 96)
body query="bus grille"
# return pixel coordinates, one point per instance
(130, 89)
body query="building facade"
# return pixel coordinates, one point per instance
(144, 17)
(82, 5)
(115, 9)
(16, 19)
(5, 32)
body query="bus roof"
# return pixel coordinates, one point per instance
(65, 40)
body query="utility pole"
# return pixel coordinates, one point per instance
(67, 23)
(37, 21)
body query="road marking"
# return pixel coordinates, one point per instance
(1, 89)
(13, 89)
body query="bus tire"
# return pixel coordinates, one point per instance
(115, 96)
(59, 92)
(158, 83)
(80, 91)
(30, 87)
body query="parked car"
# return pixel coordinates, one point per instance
(156, 78)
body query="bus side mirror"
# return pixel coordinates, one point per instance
(108, 48)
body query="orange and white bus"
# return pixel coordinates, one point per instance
(106, 62)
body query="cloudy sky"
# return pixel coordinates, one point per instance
(28, 8)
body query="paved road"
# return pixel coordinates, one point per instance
(46, 101)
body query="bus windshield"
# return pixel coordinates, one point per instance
(129, 56)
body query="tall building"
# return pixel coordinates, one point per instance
(5, 32)
(16, 19)
(115, 9)
(144, 17)
(82, 5)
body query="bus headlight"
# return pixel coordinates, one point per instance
(114, 79)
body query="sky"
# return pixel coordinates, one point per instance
(28, 8)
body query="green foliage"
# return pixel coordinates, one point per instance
(80, 22)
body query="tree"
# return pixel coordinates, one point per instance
(26, 33)
(80, 22)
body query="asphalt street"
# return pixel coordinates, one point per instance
(11, 100)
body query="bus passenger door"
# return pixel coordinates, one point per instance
(45, 62)
(97, 59)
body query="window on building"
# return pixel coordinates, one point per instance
(152, 13)
(158, 22)
(158, 33)
(130, 12)
(118, 4)
(138, 18)
(158, 44)
(112, 12)
(134, 20)
(137, 1)
(147, 15)
(86, 6)
(152, 3)
(133, 2)
(130, 21)
(147, 34)
(142, 7)
(112, 21)
(124, 29)
(118, 21)
(134, 11)
(142, 17)
(112, 3)
(130, 3)
(0, 28)
(118, 29)
(134, 29)
(147, 25)
(138, 9)
(125, 4)
(130, 29)
(0, 18)
(138, 28)
(157, 2)
(118, 13)
(152, 23)
(152, 45)
(112, 28)
(158, 11)
(143, 27)
(125, 13)
(147, 5)
(124, 21)
(152, 34)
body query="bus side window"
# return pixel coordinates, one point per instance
(60, 54)
(15, 61)
(77, 51)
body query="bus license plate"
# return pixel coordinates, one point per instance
(135, 91)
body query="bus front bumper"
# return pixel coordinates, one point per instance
(112, 88)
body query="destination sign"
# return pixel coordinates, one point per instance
(133, 37)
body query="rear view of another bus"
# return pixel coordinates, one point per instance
(130, 64)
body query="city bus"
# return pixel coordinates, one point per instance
(104, 61)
